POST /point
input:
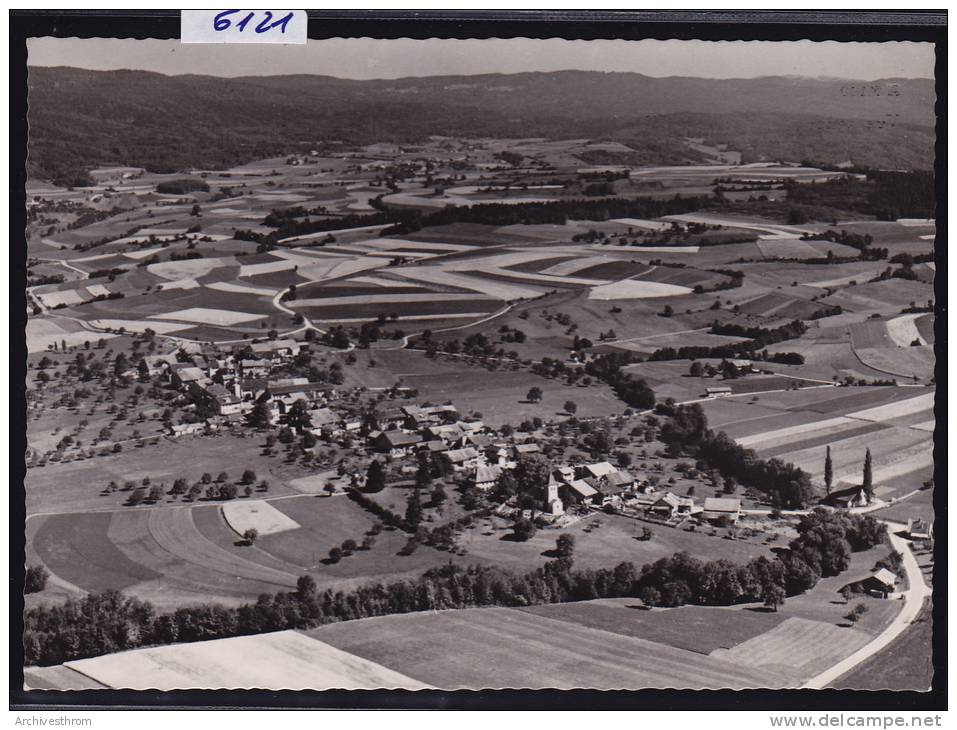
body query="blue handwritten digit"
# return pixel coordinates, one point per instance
(283, 21)
(264, 23)
(242, 23)
(221, 22)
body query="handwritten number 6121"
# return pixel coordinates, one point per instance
(223, 22)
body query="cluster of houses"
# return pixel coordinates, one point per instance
(228, 386)
(480, 458)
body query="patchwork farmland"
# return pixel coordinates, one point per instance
(345, 408)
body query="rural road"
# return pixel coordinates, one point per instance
(913, 598)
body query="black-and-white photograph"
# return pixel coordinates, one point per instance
(479, 364)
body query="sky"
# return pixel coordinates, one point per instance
(368, 58)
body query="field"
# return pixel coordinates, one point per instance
(207, 272)
(529, 651)
(284, 660)
(796, 426)
(905, 664)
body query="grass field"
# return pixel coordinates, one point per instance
(798, 647)
(693, 628)
(507, 648)
(905, 664)
(77, 486)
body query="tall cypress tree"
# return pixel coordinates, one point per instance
(868, 483)
(828, 471)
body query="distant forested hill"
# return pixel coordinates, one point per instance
(80, 119)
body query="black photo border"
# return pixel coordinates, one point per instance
(928, 26)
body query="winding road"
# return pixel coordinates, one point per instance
(913, 598)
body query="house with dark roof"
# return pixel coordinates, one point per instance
(396, 443)
(853, 496)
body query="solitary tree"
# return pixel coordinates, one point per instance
(828, 471)
(305, 587)
(773, 596)
(413, 508)
(565, 545)
(375, 477)
(250, 535)
(570, 407)
(868, 483)
(534, 394)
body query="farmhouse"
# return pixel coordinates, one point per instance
(222, 401)
(854, 496)
(255, 368)
(185, 429)
(276, 350)
(388, 418)
(525, 449)
(396, 443)
(485, 477)
(919, 529)
(579, 491)
(467, 458)
(598, 469)
(718, 391)
(669, 506)
(182, 375)
(879, 583)
(717, 508)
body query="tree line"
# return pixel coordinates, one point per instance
(687, 432)
(109, 622)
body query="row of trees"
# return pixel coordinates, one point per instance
(687, 432)
(110, 621)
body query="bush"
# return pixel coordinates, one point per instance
(35, 579)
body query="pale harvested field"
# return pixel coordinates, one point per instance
(913, 459)
(179, 284)
(202, 315)
(496, 289)
(381, 281)
(926, 425)
(55, 298)
(887, 446)
(242, 289)
(141, 253)
(797, 647)
(643, 224)
(759, 439)
(190, 268)
(412, 318)
(390, 244)
(903, 362)
(501, 648)
(256, 515)
(58, 677)
(98, 290)
(381, 298)
(903, 330)
(137, 325)
(42, 333)
(895, 410)
(630, 289)
(266, 268)
(275, 661)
